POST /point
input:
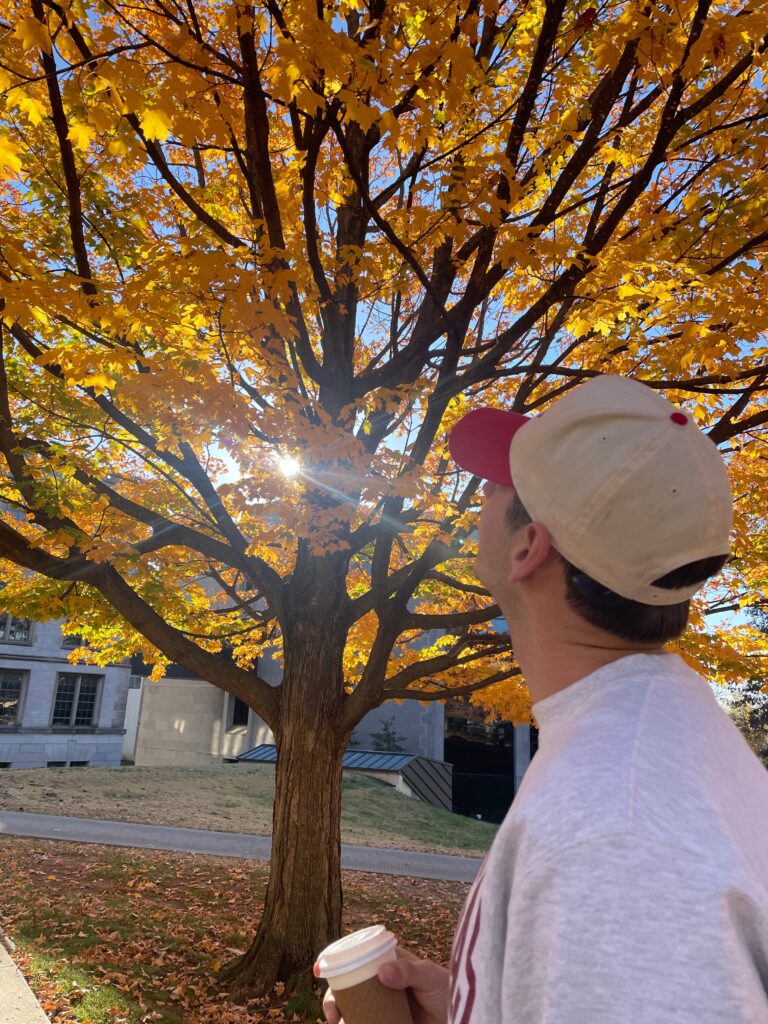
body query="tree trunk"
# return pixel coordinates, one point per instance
(302, 910)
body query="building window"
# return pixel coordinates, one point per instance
(15, 631)
(71, 640)
(75, 701)
(11, 681)
(239, 711)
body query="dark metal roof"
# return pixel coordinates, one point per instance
(431, 781)
(376, 760)
(265, 752)
(370, 760)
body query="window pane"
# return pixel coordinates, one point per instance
(10, 691)
(65, 693)
(20, 630)
(86, 701)
(239, 712)
(3, 624)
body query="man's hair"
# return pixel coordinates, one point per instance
(626, 619)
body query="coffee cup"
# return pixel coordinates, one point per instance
(350, 966)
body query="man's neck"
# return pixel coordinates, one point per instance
(553, 663)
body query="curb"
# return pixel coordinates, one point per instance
(18, 1004)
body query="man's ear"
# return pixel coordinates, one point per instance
(531, 547)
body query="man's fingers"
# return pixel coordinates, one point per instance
(411, 972)
(395, 975)
(330, 1010)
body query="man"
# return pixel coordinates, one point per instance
(628, 884)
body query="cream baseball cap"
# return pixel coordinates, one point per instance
(627, 485)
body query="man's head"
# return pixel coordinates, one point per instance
(612, 497)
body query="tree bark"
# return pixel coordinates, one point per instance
(302, 910)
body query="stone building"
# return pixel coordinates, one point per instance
(54, 713)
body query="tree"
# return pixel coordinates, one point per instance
(244, 236)
(386, 738)
(748, 704)
(748, 708)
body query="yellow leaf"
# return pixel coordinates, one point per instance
(99, 382)
(34, 109)
(155, 124)
(33, 35)
(9, 159)
(81, 135)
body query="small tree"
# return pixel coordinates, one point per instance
(748, 709)
(748, 706)
(386, 738)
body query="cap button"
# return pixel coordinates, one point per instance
(679, 417)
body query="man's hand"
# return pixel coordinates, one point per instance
(426, 984)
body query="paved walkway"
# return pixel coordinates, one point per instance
(230, 844)
(17, 1002)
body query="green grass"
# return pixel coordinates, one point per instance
(373, 809)
(238, 798)
(90, 1001)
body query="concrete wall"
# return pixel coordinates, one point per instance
(132, 713)
(420, 728)
(189, 722)
(31, 742)
(522, 753)
(180, 723)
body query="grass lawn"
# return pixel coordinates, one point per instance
(113, 936)
(236, 798)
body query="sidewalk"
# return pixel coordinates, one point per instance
(17, 1003)
(378, 860)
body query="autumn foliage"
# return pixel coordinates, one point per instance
(236, 234)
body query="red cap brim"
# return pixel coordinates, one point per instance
(480, 443)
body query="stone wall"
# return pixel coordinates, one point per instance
(33, 741)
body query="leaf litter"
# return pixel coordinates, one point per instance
(115, 936)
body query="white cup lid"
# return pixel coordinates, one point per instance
(355, 950)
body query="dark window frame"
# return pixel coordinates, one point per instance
(74, 712)
(6, 624)
(23, 679)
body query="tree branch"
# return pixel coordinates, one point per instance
(451, 692)
(248, 686)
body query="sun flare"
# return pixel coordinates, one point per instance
(289, 466)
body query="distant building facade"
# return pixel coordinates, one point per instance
(54, 713)
(183, 720)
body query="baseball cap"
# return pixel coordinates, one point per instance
(627, 485)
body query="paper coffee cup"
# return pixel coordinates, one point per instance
(350, 967)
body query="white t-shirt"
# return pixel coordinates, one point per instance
(628, 883)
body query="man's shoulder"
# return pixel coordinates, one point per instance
(676, 787)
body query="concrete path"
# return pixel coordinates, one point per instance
(230, 844)
(17, 1003)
